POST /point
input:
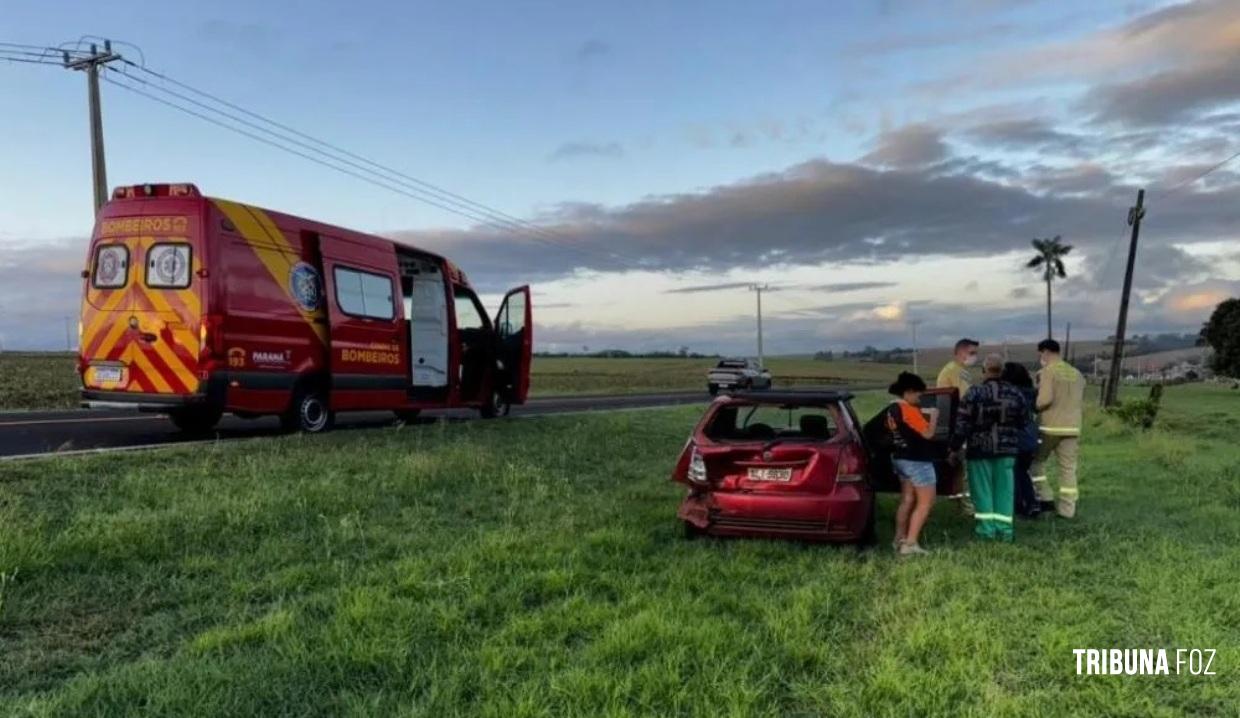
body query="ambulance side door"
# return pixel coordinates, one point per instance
(514, 333)
(368, 369)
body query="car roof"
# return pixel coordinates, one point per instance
(808, 395)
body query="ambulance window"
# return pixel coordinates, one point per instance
(363, 294)
(468, 314)
(167, 265)
(111, 266)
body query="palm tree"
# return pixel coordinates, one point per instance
(1050, 260)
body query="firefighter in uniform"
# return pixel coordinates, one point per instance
(956, 374)
(1061, 393)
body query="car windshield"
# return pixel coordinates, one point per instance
(739, 422)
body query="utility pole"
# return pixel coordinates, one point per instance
(1067, 343)
(759, 289)
(1135, 215)
(913, 323)
(91, 65)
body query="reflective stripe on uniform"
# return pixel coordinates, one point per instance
(1061, 430)
(1068, 491)
(993, 517)
(1039, 479)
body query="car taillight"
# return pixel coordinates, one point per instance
(850, 469)
(697, 468)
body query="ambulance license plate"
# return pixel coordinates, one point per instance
(764, 474)
(107, 374)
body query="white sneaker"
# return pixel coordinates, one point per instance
(896, 543)
(912, 549)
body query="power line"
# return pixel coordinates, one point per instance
(471, 210)
(365, 175)
(427, 186)
(368, 170)
(29, 60)
(1181, 185)
(272, 143)
(438, 196)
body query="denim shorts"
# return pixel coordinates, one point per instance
(918, 473)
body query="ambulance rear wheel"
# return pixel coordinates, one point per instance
(309, 413)
(497, 405)
(407, 416)
(195, 421)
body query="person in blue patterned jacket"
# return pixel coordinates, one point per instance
(991, 421)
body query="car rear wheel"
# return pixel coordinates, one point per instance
(309, 413)
(195, 421)
(691, 532)
(713, 389)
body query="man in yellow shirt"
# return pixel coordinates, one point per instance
(956, 374)
(1061, 395)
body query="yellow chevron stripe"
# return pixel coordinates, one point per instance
(101, 314)
(273, 250)
(185, 339)
(138, 357)
(110, 339)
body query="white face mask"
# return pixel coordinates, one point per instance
(1044, 360)
(970, 360)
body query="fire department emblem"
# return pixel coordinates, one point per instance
(109, 271)
(304, 285)
(170, 267)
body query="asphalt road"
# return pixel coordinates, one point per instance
(29, 434)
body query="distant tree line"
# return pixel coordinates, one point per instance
(682, 353)
(897, 355)
(1138, 344)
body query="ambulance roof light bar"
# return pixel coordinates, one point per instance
(141, 191)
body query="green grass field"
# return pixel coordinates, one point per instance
(48, 381)
(534, 567)
(38, 380)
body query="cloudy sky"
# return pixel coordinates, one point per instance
(873, 162)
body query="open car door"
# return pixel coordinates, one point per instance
(883, 476)
(514, 328)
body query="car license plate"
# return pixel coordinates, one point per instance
(107, 374)
(763, 474)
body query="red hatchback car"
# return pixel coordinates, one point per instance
(792, 464)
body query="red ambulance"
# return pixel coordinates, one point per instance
(194, 306)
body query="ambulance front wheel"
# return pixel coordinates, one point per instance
(196, 420)
(309, 413)
(497, 405)
(407, 416)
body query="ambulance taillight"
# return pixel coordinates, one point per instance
(211, 337)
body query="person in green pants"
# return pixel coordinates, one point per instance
(989, 421)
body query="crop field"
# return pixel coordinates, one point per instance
(35, 380)
(48, 381)
(533, 567)
(590, 375)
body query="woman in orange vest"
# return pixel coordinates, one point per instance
(912, 456)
